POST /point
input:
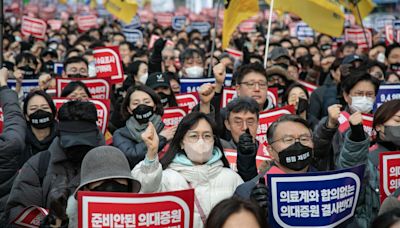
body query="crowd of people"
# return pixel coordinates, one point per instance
(47, 155)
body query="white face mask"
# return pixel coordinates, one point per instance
(199, 152)
(362, 104)
(92, 69)
(143, 78)
(194, 72)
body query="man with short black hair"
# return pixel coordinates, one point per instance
(59, 166)
(75, 67)
(192, 62)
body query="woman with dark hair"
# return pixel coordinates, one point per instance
(236, 213)
(195, 159)
(140, 107)
(392, 78)
(39, 111)
(137, 71)
(76, 90)
(297, 95)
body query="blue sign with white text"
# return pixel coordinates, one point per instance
(320, 199)
(178, 22)
(27, 85)
(387, 92)
(192, 84)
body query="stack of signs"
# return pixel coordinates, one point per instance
(86, 22)
(33, 27)
(318, 199)
(303, 31)
(99, 88)
(387, 93)
(178, 22)
(27, 85)
(389, 173)
(109, 209)
(192, 84)
(133, 35)
(187, 100)
(102, 106)
(356, 35)
(203, 27)
(173, 115)
(108, 64)
(367, 121)
(164, 19)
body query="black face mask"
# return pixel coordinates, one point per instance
(142, 113)
(395, 67)
(41, 119)
(78, 75)
(75, 154)
(48, 66)
(29, 72)
(111, 186)
(302, 106)
(164, 98)
(296, 157)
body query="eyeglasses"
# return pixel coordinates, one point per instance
(249, 122)
(252, 85)
(194, 137)
(290, 140)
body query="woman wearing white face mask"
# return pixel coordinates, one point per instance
(138, 71)
(194, 160)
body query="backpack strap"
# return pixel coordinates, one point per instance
(44, 160)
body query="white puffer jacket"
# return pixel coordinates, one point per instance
(212, 181)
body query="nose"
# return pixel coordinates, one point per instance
(256, 87)
(244, 126)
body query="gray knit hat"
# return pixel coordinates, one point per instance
(105, 162)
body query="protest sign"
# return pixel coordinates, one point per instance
(164, 19)
(173, 115)
(382, 20)
(389, 173)
(99, 88)
(389, 36)
(202, 27)
(303, 31)
(248, 26)
(133, 35)
(387, 92)
(318, 199)
(367, 121)
(109, 209)
(231, 156)
(27, 85)
(33, 27)
(396, 30)
(267, 118)
(55, 24)
(189, 85)
(108, 64)
(234, 53)
(86, 22)
(30, 217)
(309, 86)
(230, 93)
(356, 35)
(187, 100)
(102, 106)
(178, 22)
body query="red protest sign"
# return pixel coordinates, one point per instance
(55, 24)
(99, 88)
(102, 106)
(389, 173)
(187, 100)
(309, 86)
(356, 35)
(229, 94)
(86, 22)
(34, 27)
(154, 38)
(173, 115)
(367, 121)
(109, 209)
(231, 156)
(267, 118)
(108, 64)
(234, 53)
(30, 217)
(164, 19)
(248, 26)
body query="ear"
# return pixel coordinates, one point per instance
(273, 153)
(227, 125)
(129, 110)
(26, 117)
(347, 97)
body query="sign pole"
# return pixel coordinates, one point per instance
(362, 25)
(271, 8)
(214, 35)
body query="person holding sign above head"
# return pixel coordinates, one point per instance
(104, 169)
(195, 159)
(75, 67)
(140, 107)
(359, 92)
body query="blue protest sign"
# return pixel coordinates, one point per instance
(320, 199)
(228, 80)
(192, 84)
(387, 92)
(58, 68)
(382, 20)
(178, 22)
(203, 27)
(133, 35)
(303, 31)
(27, 85)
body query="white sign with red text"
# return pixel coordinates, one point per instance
(173, 115)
